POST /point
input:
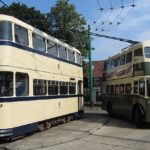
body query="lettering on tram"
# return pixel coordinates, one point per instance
(126, 83)
(41, 79)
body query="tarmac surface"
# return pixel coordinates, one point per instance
(75, 130)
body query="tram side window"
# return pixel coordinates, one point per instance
(39, 87)
(71, 56)
(142, 87)
(63, 88)
(38, 42)
(112, 89)
(148, 88)
(138, 52)
(6, 84)
(62, 52)
(122, 60)
(147, 52)
(79, 60)
(121, 88)
(5, 30)
(129, 57)
(52, 48)
(135, 87)
(72, 88)
(52, 88)
(128, 88)
(21, 35)
(22, 84)
(117, 89)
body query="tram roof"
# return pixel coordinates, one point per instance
(33, 29)
(130, 48)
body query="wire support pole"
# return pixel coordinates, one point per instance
(90, 69)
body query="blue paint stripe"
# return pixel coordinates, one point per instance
(33, 98)
(9, 43)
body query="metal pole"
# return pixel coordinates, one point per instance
(90, 70)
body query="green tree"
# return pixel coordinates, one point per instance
(29, 15)
(68, 25)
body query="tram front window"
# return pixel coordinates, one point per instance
(147, 52)
(5, 30)
(148, 88)
(6, 83)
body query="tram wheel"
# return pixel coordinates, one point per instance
(138, 117)
(41, 126)
(48, 124)
(109, 109)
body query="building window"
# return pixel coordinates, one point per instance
(121, 88)
(22, 84)
(148, 88)
(71, 56)
(5, 30)
(72, 88)
(117, 89)
(39, 87)
(38, 42)
(122, 60)
(52, 48)
(6, 84)
(52, 88)
(62, 52)
(21, 35)
(112, 89)
(63, 88)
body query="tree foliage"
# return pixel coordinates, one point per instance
(28, 15)
(68, 25)
(62, 22)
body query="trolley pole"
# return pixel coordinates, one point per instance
(90, 69)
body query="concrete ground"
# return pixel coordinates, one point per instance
(94, 132)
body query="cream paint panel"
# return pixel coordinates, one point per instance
(31, 61)
(21, 113)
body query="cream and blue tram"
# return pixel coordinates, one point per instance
(40, 79)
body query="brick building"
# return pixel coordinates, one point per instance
(97, 67)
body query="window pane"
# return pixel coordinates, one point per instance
(22, 84)
(122, 88)
(79, 60)
(128, 88)
(148, 88)
(39, 87)
(72, 88)
(122, 60)
(52, 88)
(38, 42)
(138, 52)
(129, 57)
(62, 52)
(5, 30)
(63, 88)
(135, 87)
(147, 52)
(71, 56)
(21, 35)
(6, 84)
(112, 89)
(142, 87)
(52, 48)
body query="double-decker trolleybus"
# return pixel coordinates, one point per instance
(126, 85)
(40, 79)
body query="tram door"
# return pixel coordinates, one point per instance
(80, 97)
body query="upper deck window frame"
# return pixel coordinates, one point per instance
(21, 35)
(6, 30)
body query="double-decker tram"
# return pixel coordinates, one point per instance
(40, 79)
(126, 85)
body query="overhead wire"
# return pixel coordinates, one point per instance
(115, 22)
